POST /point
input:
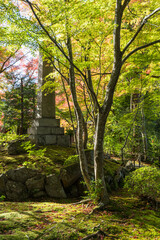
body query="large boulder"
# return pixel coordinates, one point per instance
(16, 191)
(3, 180)
(35, 184)
(15, 147)
(21, 174)
(70, 174)
(77, 189)
(54, 187)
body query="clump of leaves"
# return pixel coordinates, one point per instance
(2, 198)
(32, 151)
(33, 154)
(9, 136)
(145, 183)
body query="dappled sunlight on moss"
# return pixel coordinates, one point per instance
(53, 159)
(125, 217)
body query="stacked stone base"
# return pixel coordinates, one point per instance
(47, 131)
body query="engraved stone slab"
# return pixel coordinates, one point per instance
(45, 101)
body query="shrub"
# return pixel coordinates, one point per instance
(145, 183)
(2, 198)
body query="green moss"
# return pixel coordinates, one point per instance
(50, 162)
(111, 167)
(124, 217)
(71, 160)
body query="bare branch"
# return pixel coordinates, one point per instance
(53, 39)
(139, 48)
(126, 2)
(51, 56)
(154, 76)
(2, 69)
(139, 29)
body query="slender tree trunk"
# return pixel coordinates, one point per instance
(34, 102)
(99, 158)
(21, 130)
(80, 118)
(144, 135)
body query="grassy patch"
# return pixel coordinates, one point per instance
(124, 218)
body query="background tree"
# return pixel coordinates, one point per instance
(18, 100)
(19, 104)
(87, 45)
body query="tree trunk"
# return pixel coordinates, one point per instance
(21, 130)
(80, 118)
(144, 135)
(99, 159)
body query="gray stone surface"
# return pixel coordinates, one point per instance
(46, 130)
(46, 122)
(54, 139)
(16, 191)
(54, 187)
(39, 194)
(3, 180)
(50, 139)
(44, 139)
(45, 100)
(20, 174)
(63, 140)
(15, 147)
(35, 184)
(70, 174)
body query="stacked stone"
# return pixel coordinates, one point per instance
(46, 129)
(23, 183)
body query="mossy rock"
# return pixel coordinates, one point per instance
(111, 167)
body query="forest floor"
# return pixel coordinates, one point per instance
(125, 217)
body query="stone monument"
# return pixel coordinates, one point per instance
(46, 129)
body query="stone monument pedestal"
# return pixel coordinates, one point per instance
(46, 129)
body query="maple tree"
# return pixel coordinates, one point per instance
(90, 44)
(18, 94)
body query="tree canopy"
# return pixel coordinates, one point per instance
(100, 50)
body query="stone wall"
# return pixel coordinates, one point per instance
(24, 183)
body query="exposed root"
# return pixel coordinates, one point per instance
(82, 201)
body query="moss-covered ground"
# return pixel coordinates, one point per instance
(125, 217)
(47, 160)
